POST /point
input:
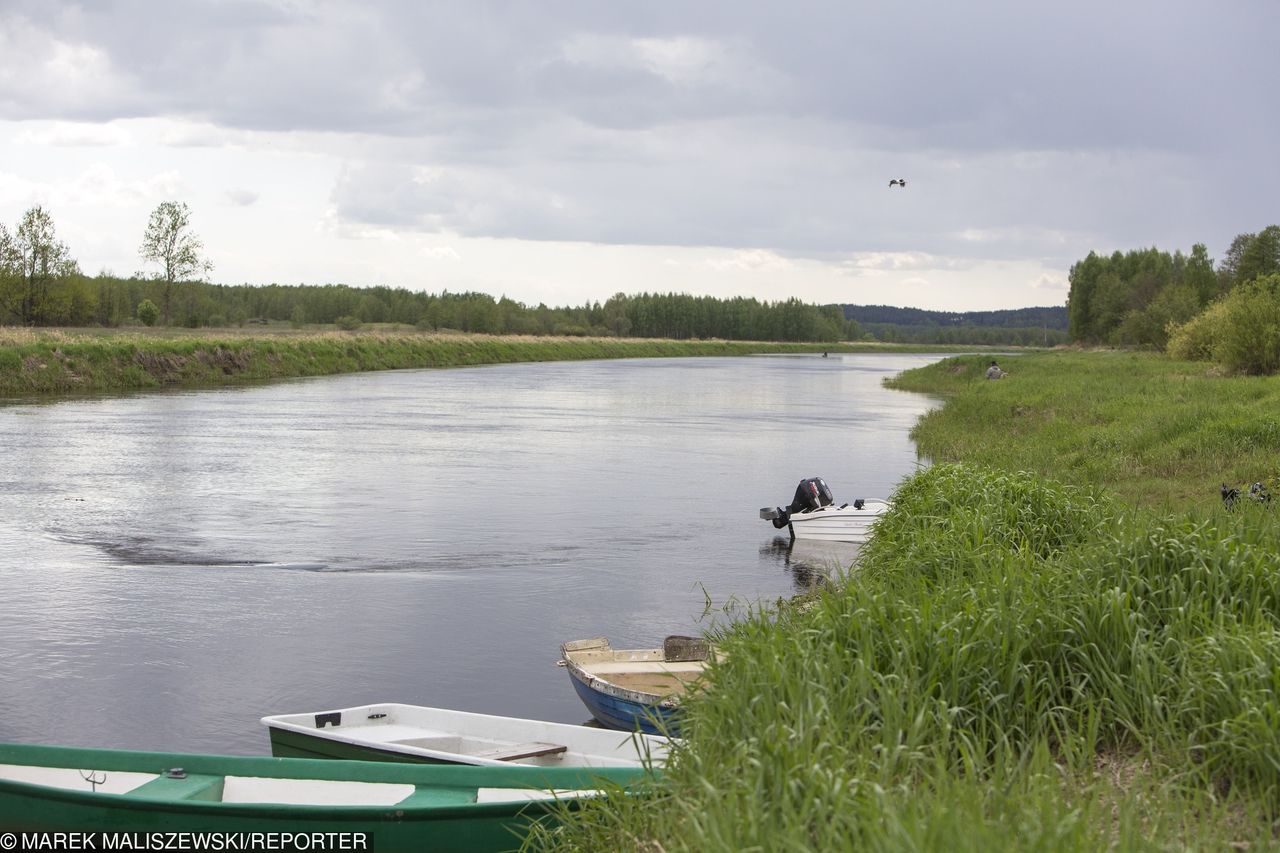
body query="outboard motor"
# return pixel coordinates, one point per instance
(811, 494)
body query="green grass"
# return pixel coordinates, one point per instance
(1062, 642)
(45, 362)
(1016, 664)
(1158, 433)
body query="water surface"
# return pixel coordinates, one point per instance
(174, 566)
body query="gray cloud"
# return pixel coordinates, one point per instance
(1025, 130)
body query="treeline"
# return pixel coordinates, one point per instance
(1051, 317)
(1025, 336)
(1137, 298)
(1017, 327)
(106, 300)
(42, 285)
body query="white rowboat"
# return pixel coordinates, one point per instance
(394, 732)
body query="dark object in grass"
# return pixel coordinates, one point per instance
(1257, 493)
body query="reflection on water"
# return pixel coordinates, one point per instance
(811, 563)
(175, 566)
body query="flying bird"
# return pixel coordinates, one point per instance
(898, 182)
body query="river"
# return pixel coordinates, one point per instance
(173, 566)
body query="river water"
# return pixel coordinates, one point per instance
(174, 566)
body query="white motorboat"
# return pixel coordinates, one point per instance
(414, 733)
(813, 514)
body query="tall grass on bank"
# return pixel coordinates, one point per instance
(104, 361)
(1158, 433)
(1016, 664)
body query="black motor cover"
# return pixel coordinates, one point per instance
(811, 494)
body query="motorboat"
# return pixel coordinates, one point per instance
(813, 514)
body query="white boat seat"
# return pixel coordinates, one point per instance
(313, 792)
(71, 778)
(515, 752)
(515, 795)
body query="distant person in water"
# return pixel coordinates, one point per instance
(994, 372)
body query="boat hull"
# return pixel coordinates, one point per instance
(439, 808)
(635, 689)
(623, 714)
(838, 524)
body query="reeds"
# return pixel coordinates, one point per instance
(50, 361)
(1016, 664)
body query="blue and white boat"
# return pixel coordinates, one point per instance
(636, 689)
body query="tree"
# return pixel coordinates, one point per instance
(1199, 274)
(1250, 256)
(1261, 256)
(1084, 281)
(32, 261)
(148, 312)
(170, 242)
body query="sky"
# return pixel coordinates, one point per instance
(563, 151)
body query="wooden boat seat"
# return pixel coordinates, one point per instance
(679, 669)
(522, 750)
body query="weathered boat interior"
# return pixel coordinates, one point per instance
(671, 670)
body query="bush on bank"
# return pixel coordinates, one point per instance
(1241, 331)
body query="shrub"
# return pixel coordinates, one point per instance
(1198, 338)
(347, 323)
(148, 313)
(1252, 342)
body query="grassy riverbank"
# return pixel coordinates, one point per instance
(106, 361)
(1060, 645)
(1158, 433)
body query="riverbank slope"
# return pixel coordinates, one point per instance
(43, 362)
(1059, 639)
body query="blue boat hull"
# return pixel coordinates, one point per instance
(616, 712)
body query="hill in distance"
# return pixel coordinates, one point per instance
(1017, 318)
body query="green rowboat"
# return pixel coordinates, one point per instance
(397, 806)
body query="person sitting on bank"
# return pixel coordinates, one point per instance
(994, 372)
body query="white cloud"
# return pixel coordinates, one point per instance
(241, 198)
(74, 135)
(1058, 283)
(680, 60)
(750, 260)
(864, 262)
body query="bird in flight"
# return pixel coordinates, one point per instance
(898, 182)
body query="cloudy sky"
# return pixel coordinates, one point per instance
(565, 150)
